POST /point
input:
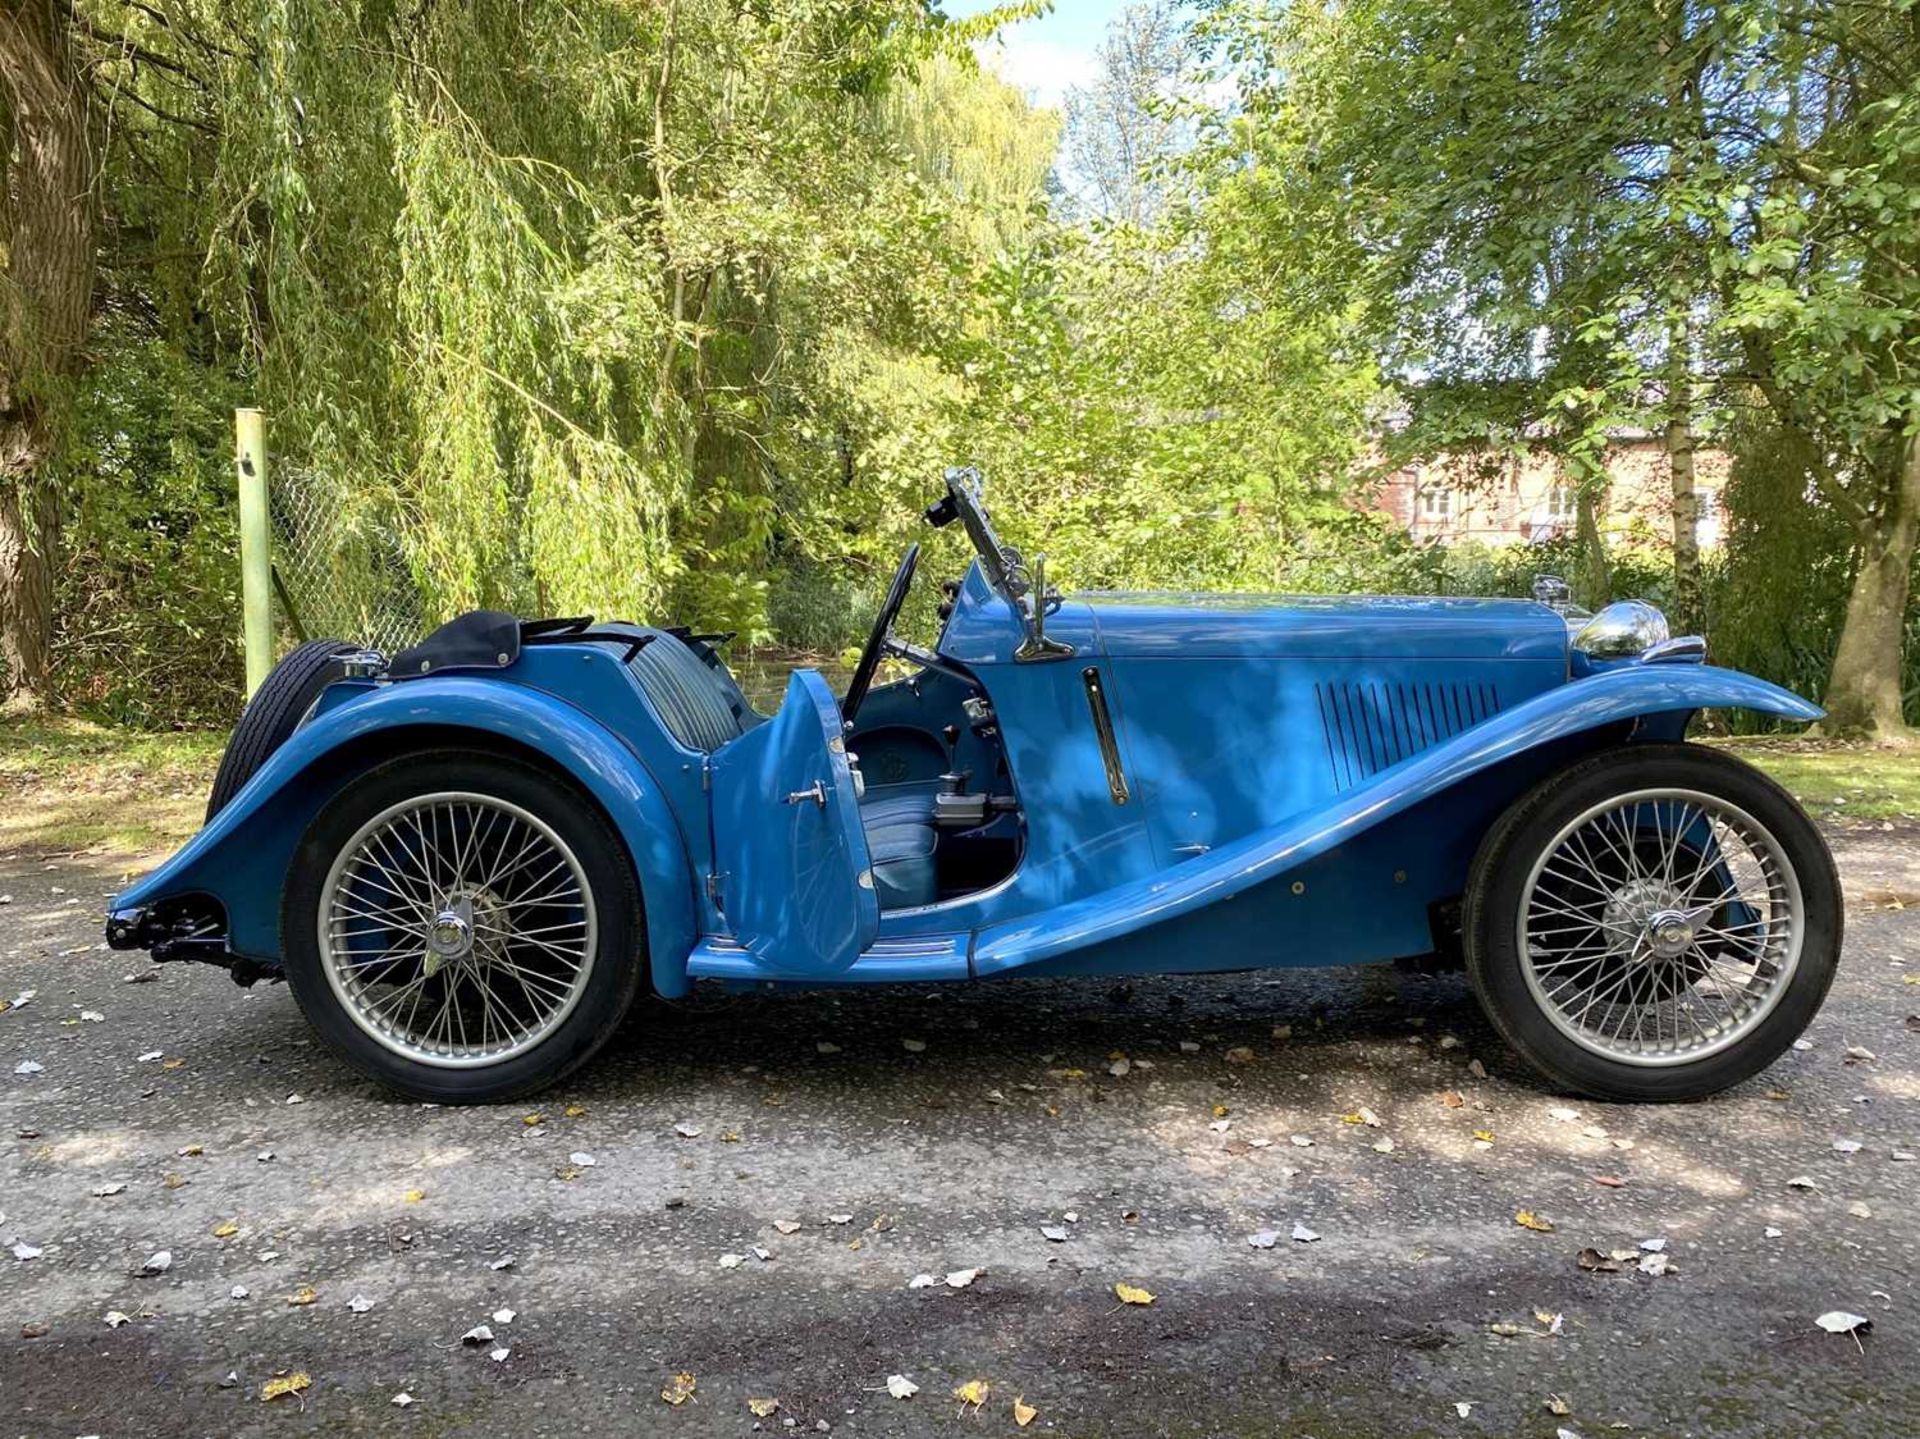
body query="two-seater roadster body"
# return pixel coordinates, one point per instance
(467, 860)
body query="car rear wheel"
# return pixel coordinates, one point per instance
(1657, 923)
(462, 927)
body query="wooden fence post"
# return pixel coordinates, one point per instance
(256, 557)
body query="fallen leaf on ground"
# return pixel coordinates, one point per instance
(286, 1384)
(225, 1230)
(1838, 1321)
(687, 1130)
(158, 1262)
(1024, 1413)
(1054, 1233)
(107, 1191)
(961, 1278)
(401, 1400)
(679, 1389)
(1609, 1181)
(1132, 1294)
(1240, 1054)
(901, 1387)
(414, 1196)
(1453, 1099)
(303, 1296)
(479, 1334)
(1527, 1219)
(1558, 1406)
(1265, 1239)
(115, 1319)
(359, 1304)
(1304, 1235)
(1596, 1262)
(786, 1226)
(762, 1408)
(973, 1392)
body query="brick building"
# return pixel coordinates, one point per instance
(1510, 500)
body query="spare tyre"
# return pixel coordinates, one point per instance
(275, 712)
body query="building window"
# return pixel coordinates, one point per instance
(1706, 528)
(1436, 503)
(1563, 506)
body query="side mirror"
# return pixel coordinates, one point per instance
(1036, 646)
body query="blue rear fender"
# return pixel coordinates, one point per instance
(1661, 698)
(241, 857)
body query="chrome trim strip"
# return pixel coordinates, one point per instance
(1103, 731)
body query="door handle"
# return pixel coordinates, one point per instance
(817, 793)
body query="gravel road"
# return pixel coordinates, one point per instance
(742, 1188)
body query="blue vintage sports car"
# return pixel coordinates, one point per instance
(468, 859)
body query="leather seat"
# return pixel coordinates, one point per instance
(900, 844)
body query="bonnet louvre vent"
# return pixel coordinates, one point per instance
(1373, 726)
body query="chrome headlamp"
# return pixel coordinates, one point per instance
(1622, 630)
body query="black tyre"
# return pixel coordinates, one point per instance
(462, 927)
(1657, 922)
(274, 713)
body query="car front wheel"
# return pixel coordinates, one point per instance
(462, 927)
(1656, 923)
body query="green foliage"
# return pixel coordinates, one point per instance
(678, 309)
(148, 601)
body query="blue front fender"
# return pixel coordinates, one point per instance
(1670, 692)
(241, 857)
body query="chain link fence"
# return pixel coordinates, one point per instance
(339, 567)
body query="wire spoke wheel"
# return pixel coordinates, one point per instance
(1660, 926)
(457, 929)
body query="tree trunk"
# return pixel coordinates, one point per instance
(29, 529)
(46, 299)
(1593, 583)
(1686, 500)
(1863, 693)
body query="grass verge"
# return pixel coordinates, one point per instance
(70, 787)
(1838, 781)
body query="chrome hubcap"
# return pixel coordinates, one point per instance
(1660, 927)
(457, 929)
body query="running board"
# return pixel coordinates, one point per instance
(890, 959)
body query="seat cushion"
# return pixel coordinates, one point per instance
(694, 701)
(900, 843)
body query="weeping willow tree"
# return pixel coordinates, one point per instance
(584, 306)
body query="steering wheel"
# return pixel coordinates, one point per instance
(882, 631)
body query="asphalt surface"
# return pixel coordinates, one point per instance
(910, 1132)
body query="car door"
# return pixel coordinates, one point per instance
(794, 880)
